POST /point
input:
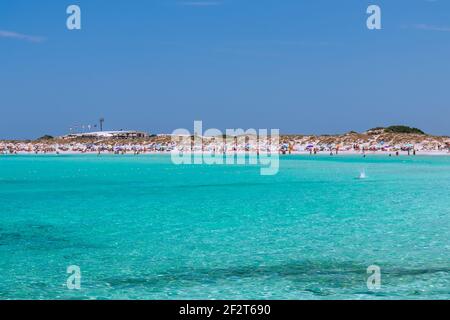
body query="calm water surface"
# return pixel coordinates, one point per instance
(142, 228)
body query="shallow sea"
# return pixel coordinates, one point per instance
(140, 227)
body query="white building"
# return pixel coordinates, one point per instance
(122, 134)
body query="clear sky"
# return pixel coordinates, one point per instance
(303, 66)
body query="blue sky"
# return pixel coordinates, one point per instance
(303, 66)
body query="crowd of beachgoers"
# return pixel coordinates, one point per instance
(351, 143)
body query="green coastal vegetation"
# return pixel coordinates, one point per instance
(46, 137)
(404, 129)
(399, 129)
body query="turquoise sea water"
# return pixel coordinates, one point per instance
(142, 228)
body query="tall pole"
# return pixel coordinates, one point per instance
(101, 123)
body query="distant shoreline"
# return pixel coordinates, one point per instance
(296, 153)
(374, 141)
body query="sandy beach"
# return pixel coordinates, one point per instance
(371, 142)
